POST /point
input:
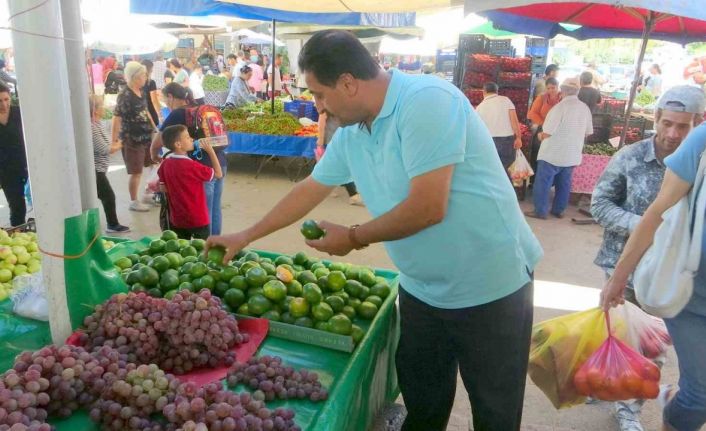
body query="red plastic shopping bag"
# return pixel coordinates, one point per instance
(617, 372)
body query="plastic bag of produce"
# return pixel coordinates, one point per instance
(645, 333)
(152, 184)
(617, 372)
(520, 170)
(559, 347)
(29, 297)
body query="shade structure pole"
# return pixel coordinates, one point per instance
(649, 24)
(272, 62)
(37, 36)
(79, 86)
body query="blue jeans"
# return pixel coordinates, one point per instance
(547, 176)
(687, 410)
(214, 191)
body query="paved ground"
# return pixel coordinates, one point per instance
(567, 280)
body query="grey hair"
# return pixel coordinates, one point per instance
(569, 90)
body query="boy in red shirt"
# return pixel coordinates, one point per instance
(183, 180)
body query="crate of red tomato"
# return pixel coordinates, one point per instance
(514, 79)
(475, 95)
(483, 63)
(613, 106)
(476, 79)
(517, 64)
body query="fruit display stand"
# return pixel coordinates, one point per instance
(350, 404)
(273, 146)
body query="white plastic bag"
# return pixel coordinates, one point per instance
(29, 297)
(645, 333)
(520, 170)
(152, 184)
(664, 278)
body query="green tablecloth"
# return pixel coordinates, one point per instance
(360, 383)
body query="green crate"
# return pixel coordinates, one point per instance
(286, 331)
(328, 340)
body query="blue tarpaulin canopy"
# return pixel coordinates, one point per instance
(214, 7)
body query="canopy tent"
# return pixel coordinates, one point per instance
(288, 31)
(673, 20)
(213, 7)
(128, 38)
(259, 39)
(407, 47)
(332, 6)
(511, 21)
(683, 19)
(488, 29)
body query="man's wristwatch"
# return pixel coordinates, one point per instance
(352, 237)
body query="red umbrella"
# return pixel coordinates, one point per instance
(670, 19)
(614, 17)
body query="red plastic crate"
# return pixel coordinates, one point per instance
(518, 64)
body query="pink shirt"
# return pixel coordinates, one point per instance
(258, 75)
(97, 72)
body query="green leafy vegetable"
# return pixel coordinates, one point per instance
(601, 149)
(645, 98)
(215, 83)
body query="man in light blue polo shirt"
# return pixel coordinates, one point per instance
(428, 171)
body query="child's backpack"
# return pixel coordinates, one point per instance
(205, 121)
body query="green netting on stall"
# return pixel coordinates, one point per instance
(91, 279)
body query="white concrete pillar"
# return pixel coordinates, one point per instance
(40, 63)
(79, 90)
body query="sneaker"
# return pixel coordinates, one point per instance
(118, 228)
(356, 200)
(148, 199)
(627, 418)
(136, 206)
(666, 393)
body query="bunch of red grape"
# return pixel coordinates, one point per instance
(270, 379)
(212, 408)
(127, 322)
(189, 331)
(132, 395)
(52, 381)
(198, 332)
(23, 401)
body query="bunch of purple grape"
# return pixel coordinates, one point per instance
(270, 379)
(212, 408)
(198, 332)
(69, 375)
(189, 331)
(52, 381)
(132, 395)
(23, 401)
(128, 323)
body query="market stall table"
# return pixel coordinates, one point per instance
(586, 174)
(271, 146)
(351, 406)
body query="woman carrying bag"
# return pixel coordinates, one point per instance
(685, 409)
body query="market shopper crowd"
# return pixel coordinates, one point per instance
(423, 175)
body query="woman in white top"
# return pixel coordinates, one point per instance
(654, 81)
(196, 85)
